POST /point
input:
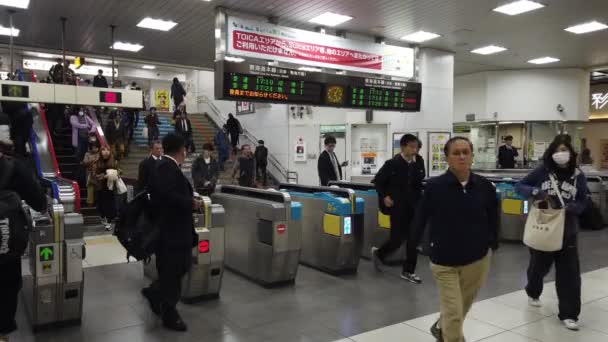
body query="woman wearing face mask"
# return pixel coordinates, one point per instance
(106, 202)
(82, 126)
(560, 164)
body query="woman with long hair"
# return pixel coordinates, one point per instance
(104, 168)
(557, 176)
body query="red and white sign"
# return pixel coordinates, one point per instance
(255, 39)
(281, 228)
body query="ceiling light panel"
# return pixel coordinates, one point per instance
(587, 27)
(489, 50)
(330, 19)
(544, 60)
(148, 67)
(420, 36)
(519, 7)
(15, 3)
(7, 31)
(100, 61)
(127, 47)
(156, 24)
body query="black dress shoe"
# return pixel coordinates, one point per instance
(148, 293)
(436, 332)
(172, 320)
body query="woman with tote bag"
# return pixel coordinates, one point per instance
(557, 191)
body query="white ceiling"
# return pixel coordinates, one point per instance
(463, 24)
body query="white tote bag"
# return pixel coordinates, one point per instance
(545, 227)
(144, 132)
(121, 187)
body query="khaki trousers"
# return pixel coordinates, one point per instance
(458, 287)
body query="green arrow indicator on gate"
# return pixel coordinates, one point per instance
(46, 253)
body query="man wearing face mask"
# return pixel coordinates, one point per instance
(558, 177)
(462, 212)
(173, 199)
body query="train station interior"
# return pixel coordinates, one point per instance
(293, 117)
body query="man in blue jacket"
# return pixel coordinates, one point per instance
(462, 211)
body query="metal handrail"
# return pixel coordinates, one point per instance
(219, 119)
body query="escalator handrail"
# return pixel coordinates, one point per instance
(42, 114)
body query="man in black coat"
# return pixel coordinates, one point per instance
(183, 127)
(146, 166)
(328, 166)
(507, 154)
(100, 80)
(399, 185)
(173, 200)
(261, 162)
(234, 129)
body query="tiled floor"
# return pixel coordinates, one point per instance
(323, 308)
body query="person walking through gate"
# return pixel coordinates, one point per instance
(399, 185)
(261, 162)
(558, 175)
(205, 172)
(173, 198)
(462, 211)
(146, 167)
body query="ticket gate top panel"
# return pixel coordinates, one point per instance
(358, 187)
(335, 205)
(340, 201)
(296, 211)
(268, 195)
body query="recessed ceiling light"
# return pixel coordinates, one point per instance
(15, 3)
(7, 31)
(234, 59)
(587, 27)
(544, 60)
(310, 69)
(488, 50)
(127, 46)
(420, 36)
(156, 24)
(100, 61)
(330, 19)
(519, 7)
(148, 67)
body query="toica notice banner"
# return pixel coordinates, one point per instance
(250, 38)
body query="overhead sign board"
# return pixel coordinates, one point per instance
(598, 101)
(260, 83)
(39, 64)
(250, 38)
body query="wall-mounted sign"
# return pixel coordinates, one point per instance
(161, 99)
(257, 39)
(470, 117)
(15, 90)
(110, 97)
(78, 62)
(436, 159)
(300, 150)
(329, 129)
(39, 64)
(244, 107)
(260, 83)
(598, 101)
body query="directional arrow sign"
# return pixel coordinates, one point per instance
(46, 253)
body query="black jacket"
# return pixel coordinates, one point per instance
(401, 181)
(177, 93)
(463, 221)
(233, 125)
(146, 167)
(100, 81)
(261, 155)
(506, 157)
(326, 169)
(172, 196)
(179, 129)
(114, 134)
(203, 172)
(24, 183)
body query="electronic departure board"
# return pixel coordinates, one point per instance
(15, 90)
(260, 83)
(110, 97)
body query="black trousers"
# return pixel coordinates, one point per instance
(171, 266)
(234, 140)
(106, 204)
(567, 277)
(10, 273)
(401, 219)
(261, 173)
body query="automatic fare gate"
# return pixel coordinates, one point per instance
(53, 292)
(332, 221)
(204, 280)
(263, 235)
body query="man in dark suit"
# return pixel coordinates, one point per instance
(146, 167)
(328, 166)
(183, 127)
(507, 154)
(173, 200)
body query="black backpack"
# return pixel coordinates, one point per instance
(136, 228)
(14, 221)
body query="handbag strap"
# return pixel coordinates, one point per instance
(557, 190)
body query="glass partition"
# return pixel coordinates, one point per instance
(483, 138)
(540, 135)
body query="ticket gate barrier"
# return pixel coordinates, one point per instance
(375, 223)
(263, 234)
(204, 279)
(53, 291)
(597, 190)
(513, 210)
(332, 227)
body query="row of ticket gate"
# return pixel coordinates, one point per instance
(262, 235)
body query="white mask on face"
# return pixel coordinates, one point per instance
(561, 158)
(81, 113)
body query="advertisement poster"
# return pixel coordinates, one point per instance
(161, 99)
(437, 162)
(300, 149)
(397, 141)
(604, 153)
(262, 40)
(244, 107)
(369, 163)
